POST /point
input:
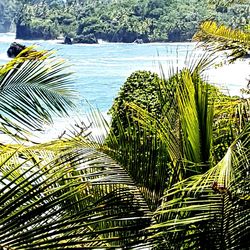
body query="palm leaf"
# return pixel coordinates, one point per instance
(222, 38)
(66, 194)
(189, 130)
(33, 90)
(208, 211)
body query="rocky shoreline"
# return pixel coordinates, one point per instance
(26, 33)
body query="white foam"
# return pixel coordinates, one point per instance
(4, 57)
(100, 41)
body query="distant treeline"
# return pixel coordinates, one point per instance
(117, 20)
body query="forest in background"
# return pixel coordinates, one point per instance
(87, 21)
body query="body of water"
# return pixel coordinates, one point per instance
(101, 69)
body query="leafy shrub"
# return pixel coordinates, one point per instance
(140, 150)
(140, 88)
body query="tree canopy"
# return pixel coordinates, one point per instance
(121, 20)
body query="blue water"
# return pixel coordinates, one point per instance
(100, 70)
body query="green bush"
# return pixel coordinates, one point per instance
(128, 137)
(141, 89)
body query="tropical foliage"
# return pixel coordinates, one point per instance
(77, 199)
(141, 88)
(198, 209)
(145, 158)
(32, 91)
(209, 207)
(123, 20)
(66, 193)
(181, 182)
(222, 38)
(174, 178)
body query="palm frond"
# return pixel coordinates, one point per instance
(77, 198)
(187, 128)
(208, 211)
(33, 90)
(230, 118)
(222, 38)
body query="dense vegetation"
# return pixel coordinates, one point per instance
(183, 183)
(122, 20)
(140, 88)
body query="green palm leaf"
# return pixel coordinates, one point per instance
(67, 195)
(222, 38)
(187, 127)
(33, 89)
(210, 210)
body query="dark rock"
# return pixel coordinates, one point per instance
(89, 39)
(122, 36)
(138, 41)
(67, 40)
(125, 36)
(179, 35)
(15, 49)
(31, 33)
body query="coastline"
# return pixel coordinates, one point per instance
(102, 68)
(221, 75)
(11, 38)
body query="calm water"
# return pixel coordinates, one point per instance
(101, 69)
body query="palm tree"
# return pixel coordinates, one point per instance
(206, 137)
(209, 208)
(82, 193)
(66, 193)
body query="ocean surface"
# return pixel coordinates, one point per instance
(101, 69)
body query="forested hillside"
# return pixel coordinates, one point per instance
(119, 20)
